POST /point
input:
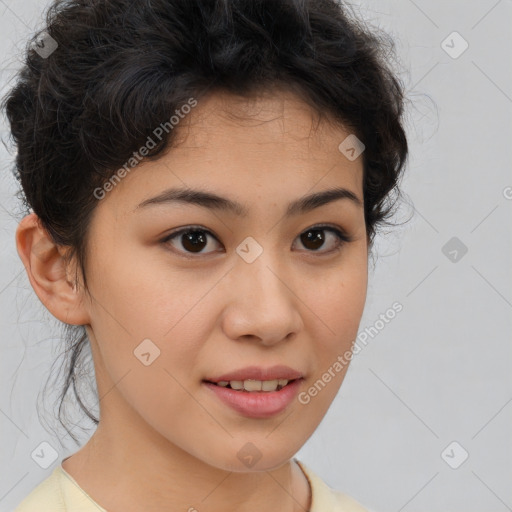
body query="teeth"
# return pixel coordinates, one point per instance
(269, 385)
(254, 385)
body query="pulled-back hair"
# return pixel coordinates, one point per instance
(122, 67)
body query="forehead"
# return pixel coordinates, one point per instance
(270, 117)
(271, 145)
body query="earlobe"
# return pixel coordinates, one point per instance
(48, 272)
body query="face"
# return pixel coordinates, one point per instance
(183, 293)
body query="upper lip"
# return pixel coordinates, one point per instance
(259, 373)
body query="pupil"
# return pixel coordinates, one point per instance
(192, 241)
(316, 239)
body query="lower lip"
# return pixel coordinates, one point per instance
(257, 404)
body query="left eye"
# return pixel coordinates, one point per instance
(194, 239)
(315, 238)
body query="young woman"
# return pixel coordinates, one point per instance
(203, 182)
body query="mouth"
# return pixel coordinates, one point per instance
(254, 398)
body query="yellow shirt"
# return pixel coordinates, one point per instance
(61, 493)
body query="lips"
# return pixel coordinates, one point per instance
(258, 392)
(256, 404)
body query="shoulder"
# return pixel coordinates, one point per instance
(326, 499)
(46, 497)
(344, 502)
(58, 493)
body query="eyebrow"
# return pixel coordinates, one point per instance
(213, 201)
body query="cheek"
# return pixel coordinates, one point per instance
(134, 302)
(338, 298)
(149, 342)
(338, 310)
(144, 297)
(338, 304)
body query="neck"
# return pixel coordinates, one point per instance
(127, 465)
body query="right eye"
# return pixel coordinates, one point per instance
(193, 239)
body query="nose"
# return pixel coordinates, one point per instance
(262, 302)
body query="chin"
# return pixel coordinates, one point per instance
(250, 456)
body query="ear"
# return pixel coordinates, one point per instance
(50, 276)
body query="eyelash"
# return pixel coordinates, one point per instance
(342, 237)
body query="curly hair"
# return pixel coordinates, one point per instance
(118, 68)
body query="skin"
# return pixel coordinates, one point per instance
(164, 441)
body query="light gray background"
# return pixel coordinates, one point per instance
(440, 371)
